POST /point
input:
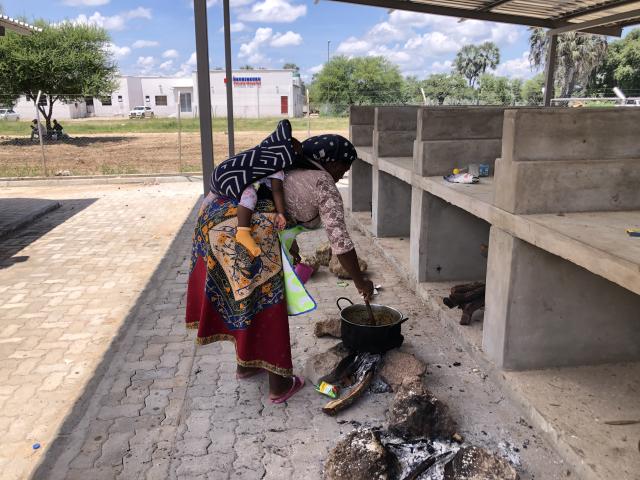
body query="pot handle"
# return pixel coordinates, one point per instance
(342, 298)
(404, 319)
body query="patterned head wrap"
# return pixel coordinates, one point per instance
(329, 148)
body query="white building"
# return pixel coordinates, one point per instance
(256, 93)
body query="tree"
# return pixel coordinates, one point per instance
(291, 66)
(474, 60)
(532, 90)
(246, 67)
(621, 66)
(440, 86)
(493, 90)
(62, 61)
(578, 55)
(357, 81)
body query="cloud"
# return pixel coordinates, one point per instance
(516, 68)
(276, 11)
(114, 22)
(146, 61)
(420, 44)
(171, 53)
(286, 39)
(166, 65)
(316, 69)
(145, 43)
(441, 67)
(85, 3)
(187, 67)
(264, 36)
(117, 51)
(235, 27)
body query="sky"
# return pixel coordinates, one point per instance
(156, 37)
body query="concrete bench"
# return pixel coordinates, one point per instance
(394, 134)
(361, 123)
(563, 277)
(568, 187)
(446, 232)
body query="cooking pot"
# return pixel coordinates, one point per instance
(359, 335)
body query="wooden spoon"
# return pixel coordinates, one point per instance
(371, 317)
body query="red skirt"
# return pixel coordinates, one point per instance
(257, 323)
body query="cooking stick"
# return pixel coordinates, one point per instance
(371, 317)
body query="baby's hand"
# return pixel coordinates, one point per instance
(281, 222)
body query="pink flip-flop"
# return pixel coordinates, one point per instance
(298, 383)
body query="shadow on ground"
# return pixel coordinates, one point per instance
(19, 239)
(61, 442)
(73, 141)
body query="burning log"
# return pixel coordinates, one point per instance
(353, 375)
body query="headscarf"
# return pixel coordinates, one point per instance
(274, 153)
(329, 148)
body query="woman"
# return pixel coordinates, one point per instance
(234, 296)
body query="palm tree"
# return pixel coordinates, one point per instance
(472, 61)
(578, 55)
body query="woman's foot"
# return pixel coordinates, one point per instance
(282, 389)
(247, 372)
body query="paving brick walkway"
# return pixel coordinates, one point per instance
(154, 406)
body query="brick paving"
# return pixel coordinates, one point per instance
(157, 407)
(67, 283)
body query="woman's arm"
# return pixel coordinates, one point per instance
(349, 261)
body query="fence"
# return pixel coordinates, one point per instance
(91, 144)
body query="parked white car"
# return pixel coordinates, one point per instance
(9, 114)
(630, 102)
(141, 112)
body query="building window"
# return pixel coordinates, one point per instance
(185, 102)
(161, 100)
(147, 98)
(43, 101)
(105, 101)
(120, 98)
(88, 101)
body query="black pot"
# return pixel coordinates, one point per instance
(359, 336)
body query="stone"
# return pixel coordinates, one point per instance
(323, 254)
(312, 261)
(323, 363)
(331, 327)
(415, 413)
(359, 456)
(399, 365)
(475, 463)
(336, 268)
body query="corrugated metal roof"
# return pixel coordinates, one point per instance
(599, 16)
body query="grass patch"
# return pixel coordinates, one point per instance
(163, 125)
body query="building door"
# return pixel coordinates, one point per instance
(284, 105)
(90, 108)
(185, 102)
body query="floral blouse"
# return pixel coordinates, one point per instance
(311, 197)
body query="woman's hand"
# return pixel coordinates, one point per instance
(281, 221)
(366, 290)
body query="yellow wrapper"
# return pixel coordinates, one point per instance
(327, 389)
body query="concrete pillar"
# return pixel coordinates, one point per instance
(391, 209)
(543, 311)
(445, 241)
(360, 187)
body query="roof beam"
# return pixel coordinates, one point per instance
(411, 6)
(491, 5)
(594, 9)
(618, 17)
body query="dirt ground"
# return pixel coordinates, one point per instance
(110, 154)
